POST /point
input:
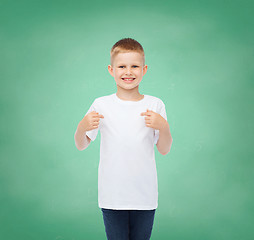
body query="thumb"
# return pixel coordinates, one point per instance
(144, 113)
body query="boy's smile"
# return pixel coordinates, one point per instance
(128, 69)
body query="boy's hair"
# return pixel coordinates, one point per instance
(126, 45)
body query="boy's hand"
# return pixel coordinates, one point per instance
(154, 120)
(90, 121)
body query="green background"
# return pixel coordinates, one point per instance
(54, 57)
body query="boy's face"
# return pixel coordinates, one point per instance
(128, 65)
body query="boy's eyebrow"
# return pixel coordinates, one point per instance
(131, 64)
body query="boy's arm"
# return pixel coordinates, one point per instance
(165, 140)
(82, 141)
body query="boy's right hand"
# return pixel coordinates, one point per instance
(90, 121)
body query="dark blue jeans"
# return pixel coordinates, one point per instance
(128, 224)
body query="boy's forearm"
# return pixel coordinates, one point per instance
(81, 140)
(165, 140)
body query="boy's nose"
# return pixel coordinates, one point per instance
(128, 70)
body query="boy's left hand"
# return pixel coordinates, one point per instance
(154, 120)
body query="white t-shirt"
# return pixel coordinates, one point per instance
(127, 175)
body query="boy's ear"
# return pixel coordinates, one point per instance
(144, 70)
(110, 69)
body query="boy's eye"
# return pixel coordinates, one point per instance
(135, 66)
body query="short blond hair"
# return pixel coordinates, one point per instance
(126, 45)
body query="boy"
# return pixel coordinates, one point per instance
(130, 124)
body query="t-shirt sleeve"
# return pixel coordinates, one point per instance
(162, 112)
(92, 134)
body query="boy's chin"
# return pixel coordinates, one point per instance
(127, 87)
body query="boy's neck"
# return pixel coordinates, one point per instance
(129, 96)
